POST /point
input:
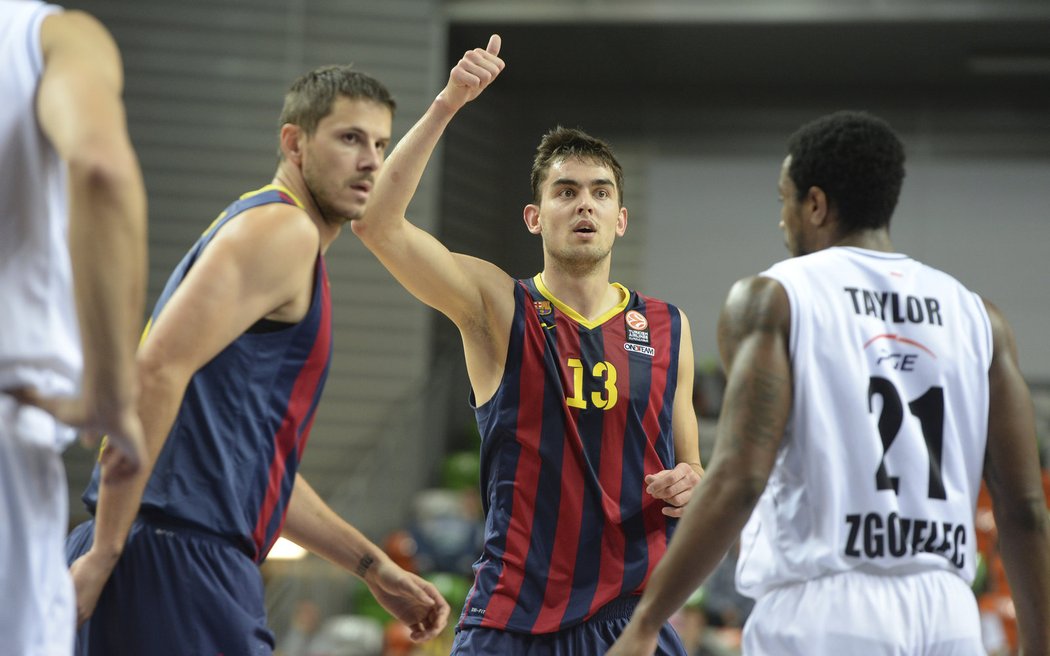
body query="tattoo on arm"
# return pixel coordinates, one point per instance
(364, 565)
(765, 396)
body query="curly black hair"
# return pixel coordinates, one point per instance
(856, 159)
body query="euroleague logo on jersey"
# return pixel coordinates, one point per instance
(636, 320)
(637, 327)
(637, 334)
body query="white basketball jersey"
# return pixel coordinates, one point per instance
(39, 341)
(882, 458)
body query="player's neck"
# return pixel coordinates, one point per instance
(590, 295)
(872, 240)
(290, 178)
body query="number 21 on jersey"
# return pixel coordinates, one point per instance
(929, 409)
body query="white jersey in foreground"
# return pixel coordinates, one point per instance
(881, 462)
(39, 346)
(40, 342)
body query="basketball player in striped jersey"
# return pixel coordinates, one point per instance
(233, 363)
(72, 289)
(582, 390)
(867, 394)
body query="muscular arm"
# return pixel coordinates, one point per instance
(473, 293)
(313, 525)
(80, 110)
(753, 340)
(1012, 474)
(259, 263)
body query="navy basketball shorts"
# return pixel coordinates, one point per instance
(590, 638)
(175, 591)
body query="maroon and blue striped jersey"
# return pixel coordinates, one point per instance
(581, 416)
(229, 463)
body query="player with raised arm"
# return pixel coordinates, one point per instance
(582, 390)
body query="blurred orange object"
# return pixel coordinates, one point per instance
(401, 547)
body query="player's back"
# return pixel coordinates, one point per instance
(881, 462)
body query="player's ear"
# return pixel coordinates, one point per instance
(292, 143)
(531, 214)
(816, 202)
(621, 222)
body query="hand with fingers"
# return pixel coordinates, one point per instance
(124, 448)
(90, 573)
(473, 74)
(413, 601)
(674, 486)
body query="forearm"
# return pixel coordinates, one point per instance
(313, 525)
(1025, 548)
(709, 527)
(108, 254)
(402, 172)
(118, 503)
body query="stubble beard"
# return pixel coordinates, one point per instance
(329, 213)
(580, 261)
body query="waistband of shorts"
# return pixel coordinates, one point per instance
(163, 522)
(618, 609)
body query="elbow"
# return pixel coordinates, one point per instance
(736, 488)
(749, 489)
(1025, 517)
(158, 378)
(359, 227)
(103, 167)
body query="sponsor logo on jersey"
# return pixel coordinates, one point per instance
(641, 336)
(900, 339)
(639, 348)
(637, 327)
(892, 351)
(543, 308)
(636, 320)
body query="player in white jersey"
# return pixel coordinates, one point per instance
(72, 287)
(866, 396)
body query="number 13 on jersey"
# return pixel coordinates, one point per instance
(603, 371)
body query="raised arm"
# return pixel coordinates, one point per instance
(455, 285)
(1011, 471)
(79, 109)
(753, 340)
(675, 486)
(257, 265)
(313, 525)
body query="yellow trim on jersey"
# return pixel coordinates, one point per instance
(280, 188)
(145, 331)
(249, 194)
(576, 316)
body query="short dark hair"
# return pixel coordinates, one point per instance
(564, 143)
(311, 96)
(856, 159)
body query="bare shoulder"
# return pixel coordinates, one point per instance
(274, 227)
(74, 29)
(757, 302)
(1002, 334)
